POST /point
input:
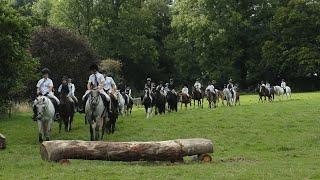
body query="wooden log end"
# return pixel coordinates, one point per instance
(205, 158)
(44, 153)
(2, 141)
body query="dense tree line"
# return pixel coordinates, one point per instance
(245, 40)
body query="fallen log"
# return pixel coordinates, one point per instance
(2, 141)
(172, 150)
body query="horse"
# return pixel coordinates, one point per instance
(160, 102)
(95, 114)
(66, 112)
(172, 100)
(237, 100)
(121, 103)
(264, 92)
(44, 116)
(128, 102)
(113, 114)
(212, 98)
(228, 96)
(147, 102)
(280, 91)
(185, 99)
(197, 96)
(220, 96)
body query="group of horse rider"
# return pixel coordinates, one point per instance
(268, 86)
(164, 89)
(105, 84)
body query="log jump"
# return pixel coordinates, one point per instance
(172, 150)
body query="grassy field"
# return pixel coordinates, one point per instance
(279, 140)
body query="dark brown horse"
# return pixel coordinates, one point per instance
(212, 98)
(112, 115)
(66, 112)
(197, 96)
(185, 99)
(265, 93)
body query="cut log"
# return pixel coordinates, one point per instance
(172, 150)
(2, 141)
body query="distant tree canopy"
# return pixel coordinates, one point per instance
(16, 64)
(64, 53)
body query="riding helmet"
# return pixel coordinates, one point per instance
(45, 71)
(148, 79)
(65, 78)
(94, 67)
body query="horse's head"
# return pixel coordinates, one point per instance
(94, 98)
(41, 103)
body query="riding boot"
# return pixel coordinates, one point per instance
(34, 117)
(83, 105)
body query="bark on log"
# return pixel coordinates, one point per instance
(172, 150)
(2, 141)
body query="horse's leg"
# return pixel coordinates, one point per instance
(91, 132)
(40, 130)
(60, 124)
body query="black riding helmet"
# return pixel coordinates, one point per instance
(94, 67)
(45, 71)
(65, 78)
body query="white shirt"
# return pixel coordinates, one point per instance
(109, 82)
(93, 79)
(268, 85)
(197, 85)
(283, 84)
(72, 89)
(44, 85)
(185, 90)
(210, 88)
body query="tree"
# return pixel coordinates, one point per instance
(64, 53)
(16, 66)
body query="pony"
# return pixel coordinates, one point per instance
(66, 112)
(95, 114)
(197, 96)
(44, 116)
(228, 96)
(121, 103)
(172, 100)
(280, 91)
(113, 114)
(147, 102)
(212, 98)
(185, 99)
(264, 92)
(160, 102)
(128, 103)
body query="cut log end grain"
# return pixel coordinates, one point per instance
(172, 150)
(2, 141)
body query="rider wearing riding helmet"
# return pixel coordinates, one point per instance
(231, 87)
(147, 85)
(211, 87)
(96, 80)
(71, 94)
(45, 87)
(197, 85)
(262, 85)
(65, 89)
(185, 90)
(283, 85)
(110, 85)
(172, 86)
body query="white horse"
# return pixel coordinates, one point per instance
(121, 102)
(45, 115)
(95, 114)
(228, 96)
(280, 91)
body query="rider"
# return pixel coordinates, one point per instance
(44, 87)
(96, 80)
(283, 85)
(211, 87)
(268, 86)
(185, 90)
(65, 88)
(231, 87)
(128, 92)
(262, 85)
(110, 85)
(197, 85)
(148, 86)
(172, 86)
(161, 88)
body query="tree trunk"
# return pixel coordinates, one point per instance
(2, 141)
(172, 150)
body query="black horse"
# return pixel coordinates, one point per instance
(197, 96)
(128, 102)
(172, 100)
(66, 111)
(266, 93)
(148, 102)
(112, 115)
(160, 102)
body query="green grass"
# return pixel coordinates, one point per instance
(279, 140)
